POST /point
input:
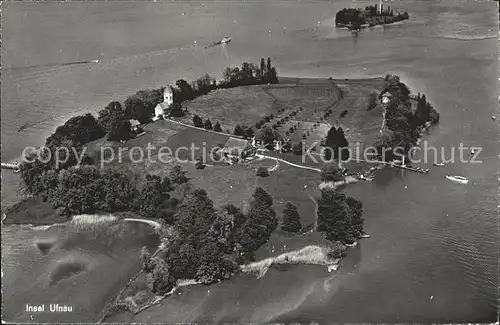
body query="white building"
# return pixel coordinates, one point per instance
(386, 97)
(168, 99)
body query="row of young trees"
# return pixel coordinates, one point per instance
(198, 122)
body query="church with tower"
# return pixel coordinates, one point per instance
(161, 110)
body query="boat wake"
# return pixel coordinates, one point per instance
(464, 37)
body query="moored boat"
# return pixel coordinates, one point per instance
(459, 179)
(439, 164)
(225, 40)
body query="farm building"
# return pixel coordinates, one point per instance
(237, 149)
(386, 97)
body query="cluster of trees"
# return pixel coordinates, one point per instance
(198, 122)
(208, 243)
(250, 74)
(404, 125)
(291, 219)
(88, 189)
(243, 131)
(63, 149)
(331, 173)
(425, 112)
(340, 217)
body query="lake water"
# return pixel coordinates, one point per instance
(430, 237)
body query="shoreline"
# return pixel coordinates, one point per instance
(307, 255)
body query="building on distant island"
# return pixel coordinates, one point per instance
(161, 110)
(237, 149)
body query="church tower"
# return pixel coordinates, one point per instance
(168, 95)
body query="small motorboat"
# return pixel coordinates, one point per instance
(225, 40)
(473, 151)
(439, 164)
(459, 179)
(493, 117)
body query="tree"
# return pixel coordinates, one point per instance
(208, 124)
(217, 127)
(177, 175)
(79, 129)
(147, 265)
(263, 70)
(167, 210)
(135, 108)
(262, 172)
(120, 130)
(247, 132)
(357, 221)
(297, 148)
(111, 113)
(384, 146)
(199, 164)
(261, 197)
(176, 110)
(159, 280)
(196, 217)
(291, 219)
(150, 196)
(197, 121)
(238, 130)
(336, 250)
(150, 98)
(214, 265)
(336, 142)
(268, 68)
(331, 173)
(267, 136)
(273, 76)
(333, 215)
(185, 91)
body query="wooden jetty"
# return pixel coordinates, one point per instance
(14, 166)
(413, 169)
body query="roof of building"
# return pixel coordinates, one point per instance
(163, 105)
(134, 123)
(168, 89)
(386, 94)
(235, 146)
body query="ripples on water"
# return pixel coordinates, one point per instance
(80, 264)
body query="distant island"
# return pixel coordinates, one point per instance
(356, 19)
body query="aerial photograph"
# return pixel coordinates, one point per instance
(250, 161)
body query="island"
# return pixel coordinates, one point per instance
(356, 19)
(250, 203)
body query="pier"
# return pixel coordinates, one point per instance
(413, 169)
(14, 166)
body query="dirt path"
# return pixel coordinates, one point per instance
(289, 163)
